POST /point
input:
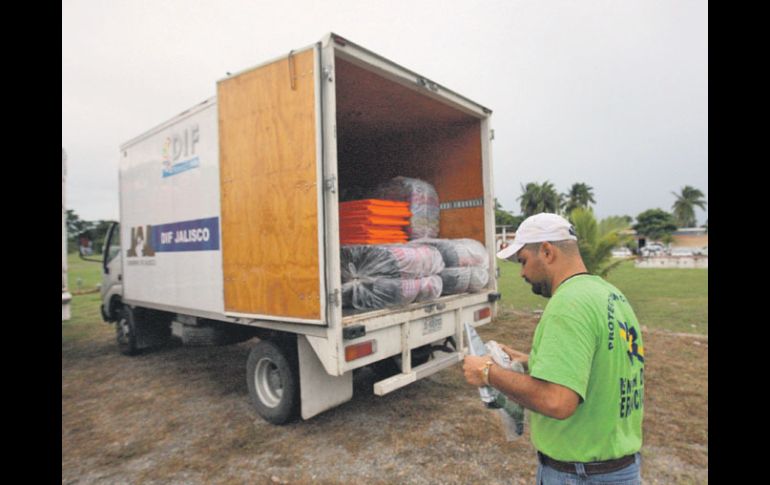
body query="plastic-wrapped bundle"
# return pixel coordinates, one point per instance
(423, 203)
(460, 252)
(455, 280)
(380, 292)
(466, 264)
(430, 288)
(377, 276)
(479, 279)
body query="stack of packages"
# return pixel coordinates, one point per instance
(378, 276)
(423, 203)
(373, 221)
(466, 264)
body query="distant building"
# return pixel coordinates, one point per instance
(690, 237)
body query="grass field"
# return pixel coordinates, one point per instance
(671, 299)
(84, 308)
(89, 273)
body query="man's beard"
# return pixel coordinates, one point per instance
(542, 288)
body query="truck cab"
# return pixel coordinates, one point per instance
(112, 275)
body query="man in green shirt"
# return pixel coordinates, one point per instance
(586, 369)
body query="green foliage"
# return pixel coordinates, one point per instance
(596, 241)
(579, 195)
(95, 231)
(686, 201)
(655, 224)
(538, 198)
(619, 223)
(505, 218)
(75, 225)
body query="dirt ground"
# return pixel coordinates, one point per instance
(182, 415)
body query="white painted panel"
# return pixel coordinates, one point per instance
(319, 391)
(169, 179)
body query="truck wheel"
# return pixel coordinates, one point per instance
(273, 380)
(125, 331)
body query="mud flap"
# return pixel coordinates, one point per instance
(319, 391)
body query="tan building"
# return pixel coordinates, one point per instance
(690, 237)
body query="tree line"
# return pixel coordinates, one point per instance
(597, 238)
(79, 230)
(653, 223)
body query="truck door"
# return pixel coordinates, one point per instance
(271, 198)
(112, 267)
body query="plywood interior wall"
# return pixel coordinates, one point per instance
(385, 129)
(268, 171)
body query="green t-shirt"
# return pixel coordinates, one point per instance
(589, 340)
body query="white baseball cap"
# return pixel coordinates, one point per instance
(539, 228)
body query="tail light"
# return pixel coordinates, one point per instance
(482, 314)
(356, 351)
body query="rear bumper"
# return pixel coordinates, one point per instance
(404, 379)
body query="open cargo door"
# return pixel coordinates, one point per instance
(270, 167)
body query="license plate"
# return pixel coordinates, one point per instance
(431, 324)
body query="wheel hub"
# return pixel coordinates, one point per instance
(267, 380)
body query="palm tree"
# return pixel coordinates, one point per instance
(597, 240)
(579, 195)
(537, 198)
(684, 213)
(529, 199)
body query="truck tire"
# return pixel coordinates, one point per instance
(125, 331)
(273, 379)
(140, 328)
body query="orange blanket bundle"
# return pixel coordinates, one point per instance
(373, 221)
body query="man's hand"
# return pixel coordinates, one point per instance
(515, 355)
(472, 366)
(547, 398)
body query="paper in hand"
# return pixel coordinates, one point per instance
(476, 347)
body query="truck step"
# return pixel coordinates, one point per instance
(398, 381)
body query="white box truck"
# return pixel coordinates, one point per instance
(229, 223)
(66, 296)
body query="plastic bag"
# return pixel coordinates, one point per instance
(378, 276)
(423, 203)
(455, 280)
(466, 264)
(479, 277)
(512, 414)
(459, 252)
(381, 292)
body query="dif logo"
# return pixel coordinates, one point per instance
(178, 151)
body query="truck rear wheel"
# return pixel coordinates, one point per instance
(273, 380)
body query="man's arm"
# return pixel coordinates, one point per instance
(543, 397)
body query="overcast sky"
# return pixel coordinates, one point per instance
(612, 93)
